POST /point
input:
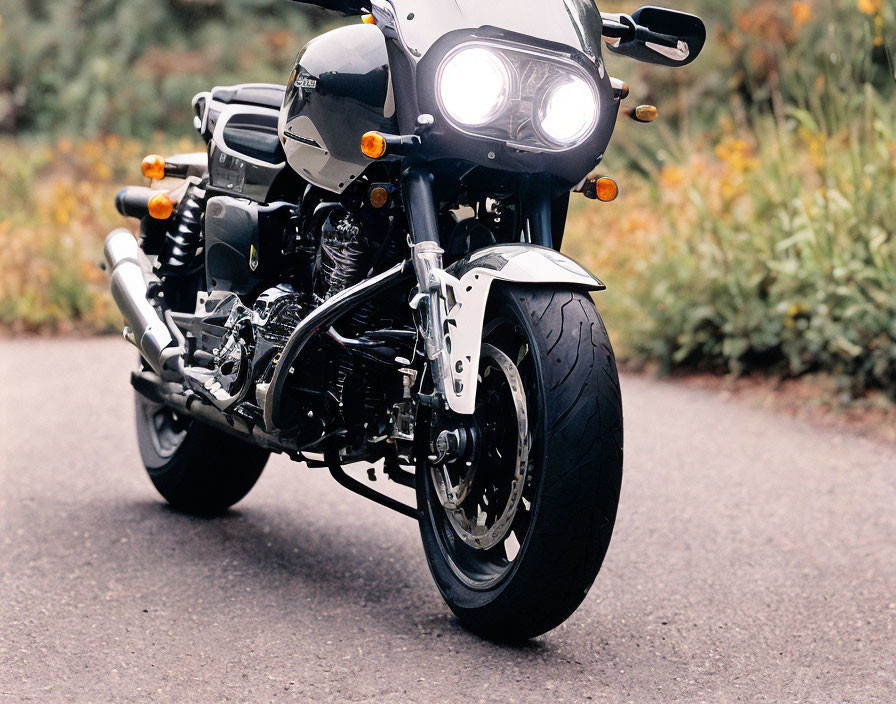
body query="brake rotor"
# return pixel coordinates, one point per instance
(466, 502)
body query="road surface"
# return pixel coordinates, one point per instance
(754, 560)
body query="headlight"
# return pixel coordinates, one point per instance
(568, 110)
(532, 100)
(473, 86)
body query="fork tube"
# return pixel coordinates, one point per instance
(420, 205)
(426, 254)
(539, 211)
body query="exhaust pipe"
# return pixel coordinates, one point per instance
(131, 277)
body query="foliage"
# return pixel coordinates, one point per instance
(56, 205)
(756, 227)
(771, 243)
(101, 66)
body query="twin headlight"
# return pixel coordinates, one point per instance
(525, 98)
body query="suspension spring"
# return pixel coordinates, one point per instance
(184, 243)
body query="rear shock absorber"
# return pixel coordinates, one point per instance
(183, 243)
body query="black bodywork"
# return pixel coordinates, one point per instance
(340, 88)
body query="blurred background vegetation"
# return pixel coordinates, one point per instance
(755, 230)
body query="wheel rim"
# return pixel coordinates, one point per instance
(499, 487)
(167, 430)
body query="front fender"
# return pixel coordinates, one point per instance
(466, 290)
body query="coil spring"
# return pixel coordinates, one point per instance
(340, 264)
(341, 258)
(183, 244)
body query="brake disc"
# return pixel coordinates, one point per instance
(474, 529)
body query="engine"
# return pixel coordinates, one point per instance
(246, 349)
(239, 343)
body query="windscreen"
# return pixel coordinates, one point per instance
(575, 23)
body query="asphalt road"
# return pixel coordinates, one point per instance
(754, 560)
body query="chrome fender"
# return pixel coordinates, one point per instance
(466, 285)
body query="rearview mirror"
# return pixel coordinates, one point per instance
(346, 7)
(665, 37)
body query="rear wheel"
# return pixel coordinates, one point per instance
(196, 468)
(516, 532)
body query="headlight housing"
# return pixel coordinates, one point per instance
(473, 85)
(533, 100)
(568, 111)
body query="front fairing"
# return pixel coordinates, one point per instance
(568, 30)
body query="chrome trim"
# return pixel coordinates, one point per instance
(130, 276)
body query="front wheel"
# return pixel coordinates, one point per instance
(516, 530)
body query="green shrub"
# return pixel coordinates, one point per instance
(772, 243)
(83, 68)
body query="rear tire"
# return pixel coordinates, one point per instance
(196, 468)
(575, 423)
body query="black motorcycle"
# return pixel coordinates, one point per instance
(364, 268)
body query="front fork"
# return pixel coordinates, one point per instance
(438, 292)
(433, 282)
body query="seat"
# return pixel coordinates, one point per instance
(264, 95)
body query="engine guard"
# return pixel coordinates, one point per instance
(467, 284)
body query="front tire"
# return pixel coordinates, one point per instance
(564, 521)
(196, 468)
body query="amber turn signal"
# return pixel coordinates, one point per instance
(368, 19)
(379, 196)
(373, 145)
(153, 166)
(646, 113)
(603, 189)
(606, 189)
(160, 206)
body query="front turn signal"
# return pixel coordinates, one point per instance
(368, 19)
(153, 166)
(379, 196)
(603, 189)
(373, 145)
(607, 190)
(643, 113)
(160, 206)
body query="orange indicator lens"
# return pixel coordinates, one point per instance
(379, 196)
(368, 19)
(606, 189)
(160, 206)
(153, 166)
(646, 113)
(373, 145)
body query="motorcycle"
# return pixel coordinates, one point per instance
(364, 268)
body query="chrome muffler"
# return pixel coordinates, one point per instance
(131, 277)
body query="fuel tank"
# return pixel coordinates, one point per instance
(340, 88)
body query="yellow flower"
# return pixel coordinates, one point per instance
(802, 12)
(871, 7)
(672, 176)
(736, 154)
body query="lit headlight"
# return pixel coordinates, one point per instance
(568, 110)
(473, 86)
